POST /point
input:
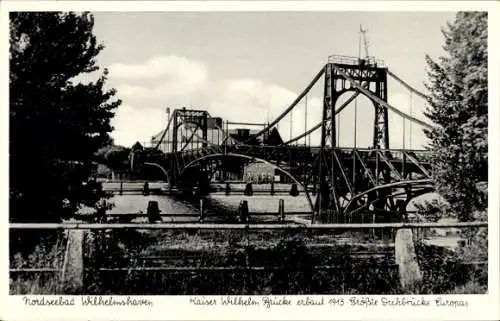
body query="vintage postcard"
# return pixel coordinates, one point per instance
(250, 160)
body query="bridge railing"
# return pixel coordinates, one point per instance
(350, 60)
(250, 227)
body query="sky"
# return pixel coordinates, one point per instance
(249, 66)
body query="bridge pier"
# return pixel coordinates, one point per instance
(243, 211)
(72, 272)
(248, 189)
(203, 187)
(145, 190)
(322, 206)
(281, 210)
(153, 212)
(202, 210)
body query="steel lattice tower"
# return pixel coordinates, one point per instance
(371, 76)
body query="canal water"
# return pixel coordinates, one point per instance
(259, 202)
(218, 205)
(139, 204)
(173, 205)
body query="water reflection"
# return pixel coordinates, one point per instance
(139, 204)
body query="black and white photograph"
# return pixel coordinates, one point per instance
(248, 153)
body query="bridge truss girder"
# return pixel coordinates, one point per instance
(366, 180)
(349, 180)
(187, 117)
(374, 79)
(197, 118)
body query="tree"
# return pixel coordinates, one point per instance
(56, 123)
(115, 157)
(459, 109)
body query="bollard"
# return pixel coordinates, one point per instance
(99, 187)
(228, 189)
(202, 212)
(272, 188)
(187, 193)
(281, 210)
(243, 211)
(121, 187)
(145, 190)
(294, 191)
(101, 215)
(153, 212)
(403, 214)
(203, 188)
(248, 189)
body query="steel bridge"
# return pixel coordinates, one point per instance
(341, 184)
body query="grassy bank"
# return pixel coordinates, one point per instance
(305, 264)
(48, 254)
(463, 270)
(301, 263)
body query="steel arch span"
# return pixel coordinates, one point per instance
(366, 180)
(379, 181)
(346, 181)
(218, 157)
(382, 182)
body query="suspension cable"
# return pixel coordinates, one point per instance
(411, 114)
(202, 140)
(378, 100)
(190, 139)
(295, 102)
(165, 131)
(404, 133)
(304, 93)
(318, 125)
(305, 122)
(410, 88)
